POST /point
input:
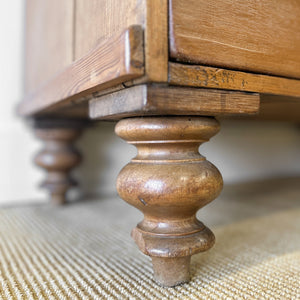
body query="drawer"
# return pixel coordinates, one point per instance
(261, 36)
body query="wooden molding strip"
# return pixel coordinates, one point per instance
(208, 77)
(156, 41)
(142, 100)
(156, 44)
(115, 60)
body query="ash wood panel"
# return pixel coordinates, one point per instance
(208, 77)
(49, 40)
(259, 36)
(115, 60)
(100, 19)
(163, 100)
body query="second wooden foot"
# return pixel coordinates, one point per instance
(59, 156)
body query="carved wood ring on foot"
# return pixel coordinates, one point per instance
(169, 181)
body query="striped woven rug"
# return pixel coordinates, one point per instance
(84, 250)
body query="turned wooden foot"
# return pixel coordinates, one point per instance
(59, 156)
(169, 181)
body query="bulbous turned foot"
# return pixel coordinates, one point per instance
(169, 181)
(58, 157)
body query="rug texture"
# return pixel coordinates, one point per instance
(84, 250)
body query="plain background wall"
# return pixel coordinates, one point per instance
(17, 177)
(243, 151)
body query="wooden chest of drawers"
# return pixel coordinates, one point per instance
(165, 69)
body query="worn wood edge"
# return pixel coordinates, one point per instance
(132, 99)
(156, 41)
(156, 44)
(114, 60)
(217, 78)
(143, 100)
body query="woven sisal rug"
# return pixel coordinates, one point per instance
(84, 251)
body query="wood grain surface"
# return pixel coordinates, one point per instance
(156, 41)
(96, 20)
(169, 181)
(208, 77)
(254, 35)
(112, 62)
(156, 44)
(49, 40)
(163, 100)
